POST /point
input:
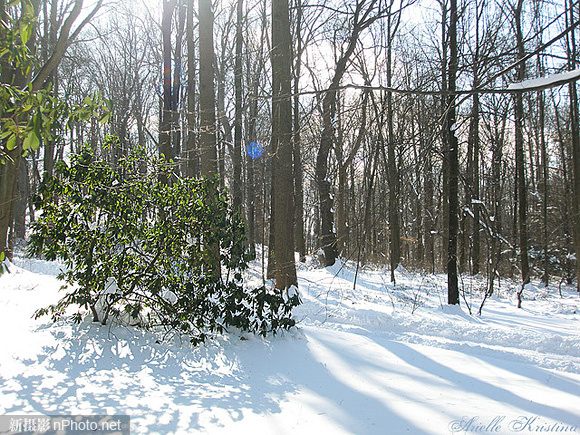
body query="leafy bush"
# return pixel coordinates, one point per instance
(141, 251)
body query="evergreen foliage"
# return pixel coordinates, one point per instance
(138, 250)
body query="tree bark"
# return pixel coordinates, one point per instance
(252, 189)
(208, 151)
(453, 160)
(393, 174)
(282, 171)
(166, 122)
(473, 153)
(176, 135)
(327, 235)
(444, 222)
(191, 152)
(545, 197)
(237, 152)
(299, 239)
(207, 139)
(8, 173)
(519, 154)
(575, 132)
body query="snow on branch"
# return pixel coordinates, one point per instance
(545, 82)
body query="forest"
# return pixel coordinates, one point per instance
(290, 216)
(439, 135)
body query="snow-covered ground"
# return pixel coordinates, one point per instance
(367, 358)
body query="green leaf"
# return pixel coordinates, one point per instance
(31, 141)
(37, 123)
(29, 9)
(105, 118)
(25, 32)
(11, 143)
(5, 134)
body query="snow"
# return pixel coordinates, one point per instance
(111, 286)
(169, 296)
(366, 358)
(292, 292)
(545, 82)
(401, 270)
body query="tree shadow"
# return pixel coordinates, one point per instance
(167, 388)
(527, 374)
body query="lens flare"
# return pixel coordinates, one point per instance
(254, 150)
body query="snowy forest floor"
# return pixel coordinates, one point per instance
(370, 358)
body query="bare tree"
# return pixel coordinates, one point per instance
(575, 133)
(519, 150)
(167, 126)
(452, 160)
(237, 151)
(191, 152)
(208, 149)
(207, 140)
(363, 16)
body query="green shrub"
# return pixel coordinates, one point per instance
(140, 251)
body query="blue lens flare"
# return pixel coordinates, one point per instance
(255, 150)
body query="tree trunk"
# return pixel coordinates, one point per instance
(282, 172)
(166, 127)
(208, 151)
(237, 187)
(474, 145)
(328, 237)
(341, 217)
(496, 188)
(444, 221)
(207, 139)
(472, 188)
(8, 172)
(191, 152)
(252, 189)
(520, 158)
(393, 174)
(176, 90)
(368, 222)
(224, 134)
(21, 201)
(296, 140)
(545, 163)
(298, 186)
(453, 160)
(393, 177)
(575, 132)
(429, 214)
